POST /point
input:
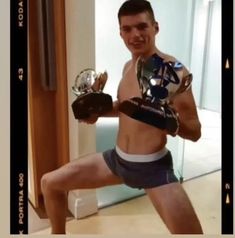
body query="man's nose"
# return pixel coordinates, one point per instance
(135, 32)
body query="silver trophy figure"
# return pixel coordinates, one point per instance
(159, 83)
(90, 100)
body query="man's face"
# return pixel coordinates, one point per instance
(138, 32)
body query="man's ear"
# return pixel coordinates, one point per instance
(120, 33)
(156, 25)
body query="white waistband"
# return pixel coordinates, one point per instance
(142, 158)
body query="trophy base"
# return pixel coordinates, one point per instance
(91, 103)
(157, 115)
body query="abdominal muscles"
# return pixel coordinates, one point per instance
(135, 137)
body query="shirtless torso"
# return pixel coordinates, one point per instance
(129, 139)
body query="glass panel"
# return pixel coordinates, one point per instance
(204, 156)
(176, 146)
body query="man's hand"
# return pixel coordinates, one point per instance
(171, 120)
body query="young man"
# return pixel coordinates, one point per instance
(140, 158)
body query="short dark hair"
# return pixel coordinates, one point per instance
(133, 7)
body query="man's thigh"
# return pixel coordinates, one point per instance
(175, 208)
(90, 171)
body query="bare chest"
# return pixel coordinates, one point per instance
(129, 86)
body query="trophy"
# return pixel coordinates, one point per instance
(90, 100)
(159, 83)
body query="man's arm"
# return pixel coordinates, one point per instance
(114, 111)
(94, 117)
(189, 124)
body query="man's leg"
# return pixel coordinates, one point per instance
(175, 209)
(90, 171)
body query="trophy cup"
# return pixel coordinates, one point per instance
(90, 100)
(159, 83)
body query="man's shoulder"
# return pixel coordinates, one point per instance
(126, 66)
(170, 58)
(167, 57)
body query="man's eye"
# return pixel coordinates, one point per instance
(142, 26)
(126, 29)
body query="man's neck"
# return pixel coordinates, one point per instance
(146, 55)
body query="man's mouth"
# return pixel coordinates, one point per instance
(137, 43)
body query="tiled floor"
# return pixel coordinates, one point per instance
(137, 216)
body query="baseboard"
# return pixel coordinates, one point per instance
(83, 205)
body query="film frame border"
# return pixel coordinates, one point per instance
(227, 184)
(19, 120)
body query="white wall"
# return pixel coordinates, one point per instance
(174, 17)
(110, 51)
(5, 116)
(80, 44)
(211, 98)
(206, 61)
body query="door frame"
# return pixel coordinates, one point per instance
(48, 109)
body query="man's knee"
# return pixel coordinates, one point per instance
(47, 182)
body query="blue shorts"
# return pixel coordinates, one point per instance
(141, 174)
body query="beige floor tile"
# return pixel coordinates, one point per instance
(205, 194)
